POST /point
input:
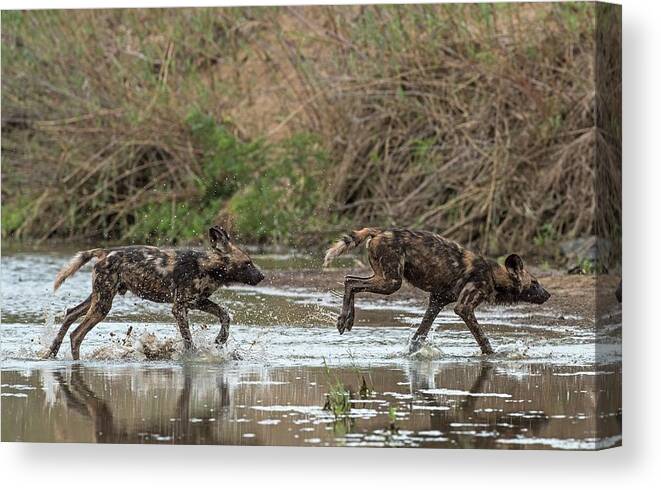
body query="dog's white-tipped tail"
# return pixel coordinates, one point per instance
(78, 260)
(336, 250)
(348, 242)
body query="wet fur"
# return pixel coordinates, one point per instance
(445, 269)
(185, 278)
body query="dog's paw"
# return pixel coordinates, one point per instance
(416, 344)
(222, 337)
(340, 325)
(344, 323)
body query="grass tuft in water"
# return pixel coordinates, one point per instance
(366, 390)
(338, 396)
(392, 418)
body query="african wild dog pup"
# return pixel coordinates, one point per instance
(184, 277)
(445, 269)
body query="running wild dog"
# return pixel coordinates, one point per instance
(441, 267)
(183, 277)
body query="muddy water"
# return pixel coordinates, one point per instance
(547, 386)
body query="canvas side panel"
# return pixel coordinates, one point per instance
(608, 221)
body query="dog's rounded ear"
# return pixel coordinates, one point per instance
(514, 264)
(218, 238)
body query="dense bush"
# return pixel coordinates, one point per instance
(289, 124)
(474, 120)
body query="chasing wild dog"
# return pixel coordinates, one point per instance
(441, 267)
(183, 277)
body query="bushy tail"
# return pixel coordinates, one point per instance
(79, 260)
(349, 242)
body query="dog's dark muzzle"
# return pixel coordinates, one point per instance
(255, 278)
(541, 296)
(536, 295)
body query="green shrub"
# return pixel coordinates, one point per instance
(14, 215)
(269, 192)
(228, 162)
(173, 222)
(283, 197)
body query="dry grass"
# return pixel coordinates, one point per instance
(477, 120)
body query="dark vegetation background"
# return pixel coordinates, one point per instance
(290, 125)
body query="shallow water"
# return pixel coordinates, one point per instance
(547, 386)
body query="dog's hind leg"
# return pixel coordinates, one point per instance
(104, 287)
(386, 262)
(105, 283)
(436, 304)
(70, 317)
(351, 276)
(376, 284)
(98, 310)
(348, 300)
(221, 313)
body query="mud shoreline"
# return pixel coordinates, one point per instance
(571, 294)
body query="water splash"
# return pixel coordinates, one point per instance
(427, 352)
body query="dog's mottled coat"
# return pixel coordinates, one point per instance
(184, 277)
(445, 269)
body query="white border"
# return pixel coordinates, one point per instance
(636, 465)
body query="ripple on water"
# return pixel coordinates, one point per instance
(292, 345)
(282, 325)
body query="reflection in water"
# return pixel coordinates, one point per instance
(80, 397)
(478, 405)
(474, 428)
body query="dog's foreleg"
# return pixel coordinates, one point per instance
(469, 299)
(436, 304)
(219, 312)
(180, 314)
